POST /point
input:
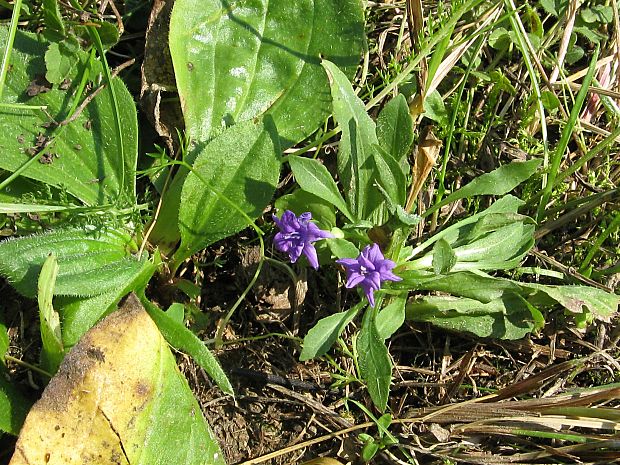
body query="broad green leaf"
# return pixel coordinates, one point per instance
(79, 314)
(374, 363)
(501, 249)
(301, 201)
(323, 335)
(234, 61)
(313, 177)
(444, 257)
(471, 284)
(176, 312)
(49, 321)
(391, 317)
(60, 59)
(118, 398)
(581, 299)
(341, 248)
(91, 263)
(497, 182)
(507, 317)
(505, 205)
(84, 157)
(391, 181)
(435, 109)
(233, 179)
(13, 408)
(181, 338)
(395, 128)
(356, 165)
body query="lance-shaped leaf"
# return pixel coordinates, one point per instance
(507, 317)
(118, 398)
(86, 156)
(237, 60)
(395, 128)
(52, 352)
(374, 362)
(233, 180)
(356, 155)
(89, 263)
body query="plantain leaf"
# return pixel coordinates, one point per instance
(118, 398)
(234, 61)
(358, 145)
(234, 178)
(84, 157)
(89, 263)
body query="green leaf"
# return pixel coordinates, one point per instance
(52, 16)
(499, 249)
(444, 258)
(301, 201)
(90, 263)
(374, 363)
(323, 335)
(233, 180)
(597, 14)
(505, 205)
(313, 177)
(391, 317)
(391, 182)
(356, 153)
(554, 7)
(79, 314)
(84, 158)
(435, 109)
(60, 59)
(4, 344)
(395, 128)
(13, 408)
(581, 299)
(234, 61)
(341, 248)
(507, 317)
(181, 338)
(176, 312)
(49, 321)
(497, 182)
(118, 398)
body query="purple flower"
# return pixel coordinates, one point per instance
(368, 270)
(297, 235)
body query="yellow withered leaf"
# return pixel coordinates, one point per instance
(118, 398)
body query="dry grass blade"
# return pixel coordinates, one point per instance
(455, 55)
(571, 14)
(425, 158)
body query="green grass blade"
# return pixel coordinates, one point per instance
(566, 134)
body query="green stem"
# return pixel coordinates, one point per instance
(9, 45)
(27, 365)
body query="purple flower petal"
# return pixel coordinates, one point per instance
(297, 235)
(368, 270)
